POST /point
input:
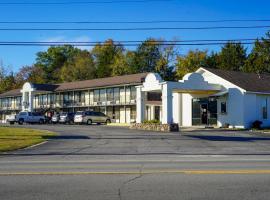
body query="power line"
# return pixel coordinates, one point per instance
(130, 41)
(133, 29)
(82, 2)
(90, 45)
(134, 22)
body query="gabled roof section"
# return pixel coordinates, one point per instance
(11, 93)
(250, 82)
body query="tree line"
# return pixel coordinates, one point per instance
(67, 63)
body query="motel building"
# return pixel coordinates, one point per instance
(207, 97)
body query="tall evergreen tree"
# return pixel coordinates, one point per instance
(147, 56)
(259, 59)
(232, 57)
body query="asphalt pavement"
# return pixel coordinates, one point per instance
(103, 162)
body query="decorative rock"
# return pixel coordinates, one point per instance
(156, 127)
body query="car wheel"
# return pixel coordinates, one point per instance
(20, 121)
(108, 121)
(11, 123)
(89, 122)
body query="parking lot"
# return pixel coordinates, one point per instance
(109, 140)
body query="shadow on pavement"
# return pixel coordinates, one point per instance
(67, 137)
(229, 138)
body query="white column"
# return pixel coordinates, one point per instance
(30, 106)
(166, 104)
(23, 100)
(140, 105)
(152, 112)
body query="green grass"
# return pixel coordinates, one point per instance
(18, 138)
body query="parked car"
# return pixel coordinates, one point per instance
(66, 118)
(30, 117)
(89, 117)
(11, 119)
(55, 118)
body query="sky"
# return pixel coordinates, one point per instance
(18, 56)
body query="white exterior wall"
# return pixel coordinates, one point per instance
(187, 110)
(176, 108)
(253, 109)
(257, 110)
(235, 102)
(167, 104)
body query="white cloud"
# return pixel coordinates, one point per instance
(70, 39)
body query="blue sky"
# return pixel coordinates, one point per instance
(15, 56)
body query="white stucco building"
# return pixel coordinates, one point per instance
(208, 97)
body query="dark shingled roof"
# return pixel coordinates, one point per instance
(11, 93)
(248, 81)
(101, 82)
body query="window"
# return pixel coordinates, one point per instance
(96, 95)
(264, 109)
(91, 97)
(52, 98)
(87, 98)
(133, 93)
(122, 95)
(223, 107)
(128, 91)
(44, 99)
(110, 94)
(116, 92)
(103, 95)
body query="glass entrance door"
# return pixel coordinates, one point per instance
(204, 111)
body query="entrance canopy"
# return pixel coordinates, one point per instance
(193, 83)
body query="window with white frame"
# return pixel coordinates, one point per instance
(264, 108)
(223, 107)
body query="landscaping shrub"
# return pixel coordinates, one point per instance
(151, 121)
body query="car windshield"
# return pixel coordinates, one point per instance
(63, 114)
(79, 113)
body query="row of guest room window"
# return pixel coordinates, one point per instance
(109, 96)
(11, 102)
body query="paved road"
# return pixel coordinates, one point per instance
(99, 162)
